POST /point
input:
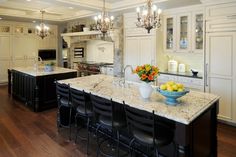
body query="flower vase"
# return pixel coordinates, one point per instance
(145, 90)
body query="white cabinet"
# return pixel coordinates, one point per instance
(5, 57)
(138, 51)
(139, 46)
(221, 57)
(221, 11)
(196, 84)
(24, 50)
(221, 71)
(183, 31)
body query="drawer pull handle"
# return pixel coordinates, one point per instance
(206, 75)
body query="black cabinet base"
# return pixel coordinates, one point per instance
(38, 93)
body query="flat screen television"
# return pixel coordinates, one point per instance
(47, 54)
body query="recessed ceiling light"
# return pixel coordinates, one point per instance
(71, 8)
(28, 0)
(0, 18)
(34, 21)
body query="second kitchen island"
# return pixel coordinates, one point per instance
(36, 88)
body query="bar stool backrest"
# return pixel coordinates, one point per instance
(102, 107)
(139, 120)
(79, 98)
(63, 90)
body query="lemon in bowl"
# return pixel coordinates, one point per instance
(172, 91)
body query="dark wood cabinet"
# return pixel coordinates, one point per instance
(38, 92)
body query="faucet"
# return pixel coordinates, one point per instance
(36, 59)
(127, 66)
(40, 59)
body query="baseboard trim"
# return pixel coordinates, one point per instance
(227, 122)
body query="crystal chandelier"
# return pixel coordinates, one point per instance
(103, 21)
(150, 16)
(42, 30)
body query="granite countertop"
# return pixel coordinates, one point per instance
(40, 72)
(184, 74)
(189, 108)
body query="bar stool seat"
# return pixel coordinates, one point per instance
(164, 137)
(108, 122)
(64, 102)
(81, 111)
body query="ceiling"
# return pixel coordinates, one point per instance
(64, 10)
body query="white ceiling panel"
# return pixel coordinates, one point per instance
(63, 10)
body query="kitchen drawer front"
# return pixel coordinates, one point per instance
(192, 83)
(221, 25)
(164, 78)
(221, 11)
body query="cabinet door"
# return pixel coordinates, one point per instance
(221, 71)
(131, 57)
(183, 33)
(147, 50)
(197, 32)
(170, 33)
(4, 57)
(18, 51)
(31, 50)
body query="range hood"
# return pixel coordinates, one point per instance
(84, 36)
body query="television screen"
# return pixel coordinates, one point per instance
(47, 54)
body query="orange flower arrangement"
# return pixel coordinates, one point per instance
(147, 72)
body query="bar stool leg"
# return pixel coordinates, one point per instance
(70, 123)
(118, 143)
(88, 133)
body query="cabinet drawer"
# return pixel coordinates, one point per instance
(221, 11)
(164, 78)
(190, 81)
(221, 25)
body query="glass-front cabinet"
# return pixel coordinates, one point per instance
(198, 36)
(184, 32)
(170, 33)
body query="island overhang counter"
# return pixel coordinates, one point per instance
(194, 118)
(36, 87)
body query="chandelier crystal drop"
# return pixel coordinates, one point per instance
(42, 30)
(103, 21)
(149, 17)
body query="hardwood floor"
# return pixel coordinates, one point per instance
(27, 134)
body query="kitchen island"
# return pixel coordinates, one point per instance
(36, 88)
(194, 118)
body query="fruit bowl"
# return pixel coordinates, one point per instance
(171, 97)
